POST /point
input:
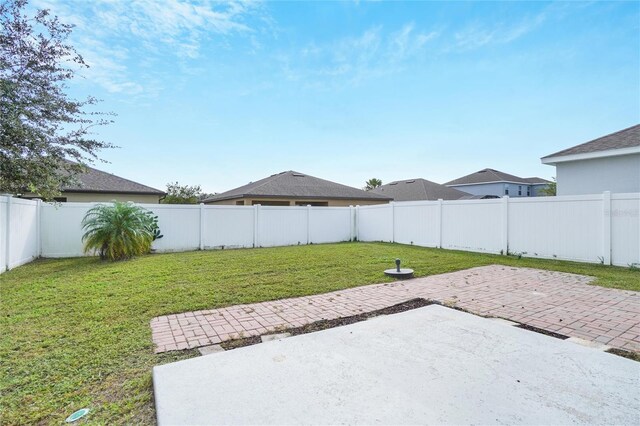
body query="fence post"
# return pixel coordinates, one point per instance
(38, 228)
(606, 227)
(308, 223)
(201, 226)
(357, 222)
(7, 234)
(256, 213)
(439, 222)
(351, 223)
(505, 225)
(393, 221)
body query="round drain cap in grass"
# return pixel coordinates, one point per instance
(77, 415)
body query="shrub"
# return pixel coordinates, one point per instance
(119, 231)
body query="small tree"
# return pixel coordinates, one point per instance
(40, 125)
(182, 194)
(372, 183)
(550, 189)
(119, 231)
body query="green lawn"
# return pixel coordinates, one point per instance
(75, 332)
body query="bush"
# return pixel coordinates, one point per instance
(119, 231)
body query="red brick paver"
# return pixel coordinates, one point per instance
(554, 301)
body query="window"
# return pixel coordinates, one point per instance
(60, 199)
(240, 203)
(270, 203)
(506, 190)
(519, 190)
(528, 192)
(313, 203)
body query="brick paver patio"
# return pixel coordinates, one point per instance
(555, 301)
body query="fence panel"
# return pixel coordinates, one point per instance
(179, 225)
(375, 223)
(61, 232)
(3, 233)
(625, 229)
(417, 223)
(228, 226)
(282, 226)
(567, 228)
(19, 237)
(24, 232)
(329, 224)
(473, 225)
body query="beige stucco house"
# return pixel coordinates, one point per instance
(97, 186)
(296, 189)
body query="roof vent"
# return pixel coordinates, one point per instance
(410, 181)
(298, 174)
(393, 183)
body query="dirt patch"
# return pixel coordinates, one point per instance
(238, 343)
(543, 331)
(635, 356)
(326, 324)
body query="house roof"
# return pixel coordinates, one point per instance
(537, 180)
(487, 176)
(94, 180)
(628, 138)
(292, 184)
(418, 189)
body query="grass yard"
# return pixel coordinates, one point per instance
(75, 332)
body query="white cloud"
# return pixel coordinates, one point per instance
(107, 31)
(476, 35)
(352, 60)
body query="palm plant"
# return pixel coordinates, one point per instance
(119, 231)
(372, 184)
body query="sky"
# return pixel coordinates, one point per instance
(219, 94)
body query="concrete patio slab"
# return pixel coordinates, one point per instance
(431, 365)
(271, 337)
(211, 349)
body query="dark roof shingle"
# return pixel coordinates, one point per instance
(291, 184)
(625, 138)
(485, 176)
(94, 180)
(417, 190)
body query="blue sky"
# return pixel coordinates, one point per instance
(220, 94)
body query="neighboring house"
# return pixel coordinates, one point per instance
(494, 183)
(96, 185)
(419, 190)
(296, 189)
(610, 163)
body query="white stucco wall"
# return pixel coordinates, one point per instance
(616, 174)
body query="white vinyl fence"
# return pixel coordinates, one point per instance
(201, 227)
(592, 228)
(19, 231)
(602, 228)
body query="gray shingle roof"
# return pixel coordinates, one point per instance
(94, 180)
(293, 184)
(537, 180)
(625, 138)
(418, 190)
(487, 175)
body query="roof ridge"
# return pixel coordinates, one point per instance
(120, 177)
(558, 153)
(269, 179)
